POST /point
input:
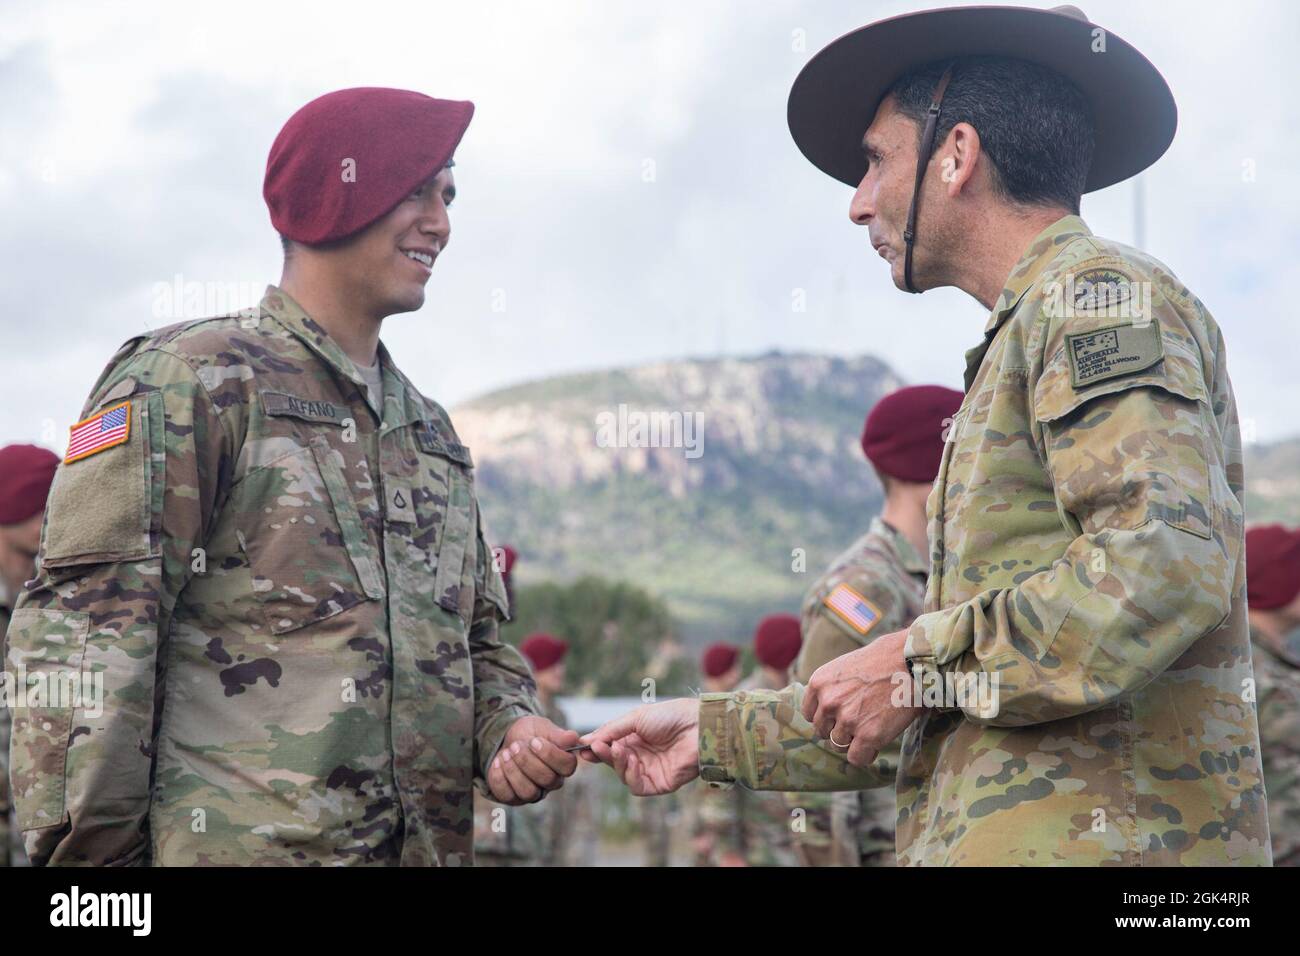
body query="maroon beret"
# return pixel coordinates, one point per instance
(777, 641)
(1272, 566)
(505, 557)
(347, 158)
(26, 473)
(905, 431)
(718, 659)
(543, 650)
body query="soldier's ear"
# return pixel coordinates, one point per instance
(959, 156)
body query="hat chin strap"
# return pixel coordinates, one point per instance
(922, 161)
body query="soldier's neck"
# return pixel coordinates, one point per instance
(991, 245)
(904, 511)
(330, 304)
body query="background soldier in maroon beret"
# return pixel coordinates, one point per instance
(875, 587)
(766, 818)
(1273, 593)
(716, 819)
(26, 473)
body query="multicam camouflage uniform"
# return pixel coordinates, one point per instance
(1086, 538)
(285, 587)
(11, 838)
(1277, 702)
(883, 568)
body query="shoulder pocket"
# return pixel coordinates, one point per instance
(1117, 459)
(45, 653)
(1166, 363)
(101, 505)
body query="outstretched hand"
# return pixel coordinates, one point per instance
(653, 749)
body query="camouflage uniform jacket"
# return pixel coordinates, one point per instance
(1086, 537)
(11, 838)
(883, 568)
(1277, 701)
(285, 587)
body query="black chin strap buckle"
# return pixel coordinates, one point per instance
(922, 161)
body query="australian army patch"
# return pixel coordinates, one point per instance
(1109, 353)
(1097, 290)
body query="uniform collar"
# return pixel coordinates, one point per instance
(1037, 256)
(282, 307)
(399, 407)
(912, 562)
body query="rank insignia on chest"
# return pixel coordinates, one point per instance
(102, 430)
(851, 607)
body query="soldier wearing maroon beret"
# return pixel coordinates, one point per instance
(26, 472)
(877, 586)
(294, 562)
(1273, 595)
(715, 817)
(765, 818)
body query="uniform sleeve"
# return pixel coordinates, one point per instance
(1138, 463)
(503, 683)
(760, 740)
(117, 549)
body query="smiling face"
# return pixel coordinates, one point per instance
(885, 192)
(392, 259)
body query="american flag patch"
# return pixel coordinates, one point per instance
(859, 613)
(110, 427)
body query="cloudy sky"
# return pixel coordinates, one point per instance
(628, 189)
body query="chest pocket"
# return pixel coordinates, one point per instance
(442, 496)
(307, 548)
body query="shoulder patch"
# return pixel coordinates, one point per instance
(853, 608)
(1109, 353)
(102, 430)
(1100, 289)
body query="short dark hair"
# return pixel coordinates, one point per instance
(286, 244)
(1034, 124)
